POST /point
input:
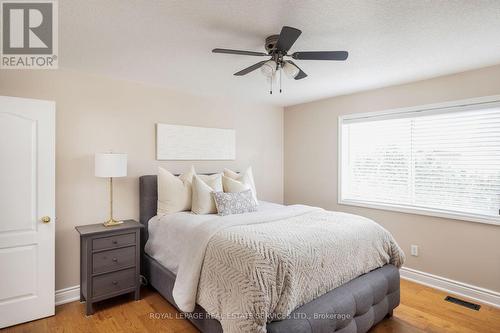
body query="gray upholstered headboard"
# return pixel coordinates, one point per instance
(148, 201)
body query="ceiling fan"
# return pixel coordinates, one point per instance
(277, 47)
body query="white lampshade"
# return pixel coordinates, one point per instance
(268, 68)
(110, 165)
(290, 70)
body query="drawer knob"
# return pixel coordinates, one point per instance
(115, 282)
(114, 260)
(115, 242)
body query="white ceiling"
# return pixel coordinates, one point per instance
(169, 43)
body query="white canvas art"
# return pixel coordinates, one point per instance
(174, 142)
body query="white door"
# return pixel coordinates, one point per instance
(27, 198)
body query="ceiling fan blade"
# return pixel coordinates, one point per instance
(287, 38)
(321, 55)
(250, 69)
(240, 52)
(301, 74)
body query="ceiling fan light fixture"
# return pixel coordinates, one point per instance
(268, 68)
(290, 70)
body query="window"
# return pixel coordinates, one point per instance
(442, 161)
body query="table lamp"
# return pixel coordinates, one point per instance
(111, 165)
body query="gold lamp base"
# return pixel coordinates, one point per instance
(112, 222)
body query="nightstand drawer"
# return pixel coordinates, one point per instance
(113, 241)
(113, 282)
(111, 260)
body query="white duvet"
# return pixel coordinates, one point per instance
(170, 235)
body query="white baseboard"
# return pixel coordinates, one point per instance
(67, 295)
(475, 293)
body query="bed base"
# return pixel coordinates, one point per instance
(366, 300)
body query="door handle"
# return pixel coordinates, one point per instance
(45, 219)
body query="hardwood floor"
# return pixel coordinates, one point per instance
(422, 309)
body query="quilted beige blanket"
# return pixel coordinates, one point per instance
(258, 268)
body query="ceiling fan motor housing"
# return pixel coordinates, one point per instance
(271, 42)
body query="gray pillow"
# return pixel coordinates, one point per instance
(234, 203)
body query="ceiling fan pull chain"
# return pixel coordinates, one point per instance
(280, 78)
(271, 81)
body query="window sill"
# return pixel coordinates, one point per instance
(423, 211)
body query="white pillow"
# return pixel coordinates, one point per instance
(174, 193)
(245, 179)
(233, 186)
(203, 186)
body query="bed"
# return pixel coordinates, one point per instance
(354, 306)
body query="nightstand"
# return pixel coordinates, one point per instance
(109, 261)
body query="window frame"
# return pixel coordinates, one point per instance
(430, 109)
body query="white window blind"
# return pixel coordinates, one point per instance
(445, 161)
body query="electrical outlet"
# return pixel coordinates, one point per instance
(414, 250)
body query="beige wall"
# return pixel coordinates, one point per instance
(464, 251)
(96, 114)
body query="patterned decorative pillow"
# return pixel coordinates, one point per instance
(234, 203)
